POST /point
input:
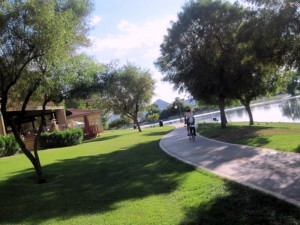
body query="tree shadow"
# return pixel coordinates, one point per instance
(156, 133)
(297, 149)
(89, 184)
(255, 140)
(242, 206)
(105, 138)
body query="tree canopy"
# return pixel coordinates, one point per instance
(129, 91)
(196, 55)
(220, 51)
(35, 38)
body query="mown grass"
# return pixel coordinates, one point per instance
(278, 136)
(123, 177)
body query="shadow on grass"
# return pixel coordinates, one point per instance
(105, 138)
(297, 149)
(155, 133)
(243, 206)
(234, 134)
(96, 184)
(253, 141)
(88, 185)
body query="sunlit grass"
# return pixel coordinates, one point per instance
(123, 177)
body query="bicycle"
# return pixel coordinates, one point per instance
(192, 132)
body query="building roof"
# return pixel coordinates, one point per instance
(81, 112)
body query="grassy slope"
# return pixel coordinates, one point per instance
(124, 178)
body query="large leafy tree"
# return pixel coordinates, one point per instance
(35, 37)
(279, 37)
(271, 38)
(196, 55)
(129, 91)
(211, 53)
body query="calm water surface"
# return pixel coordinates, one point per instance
(284, 110)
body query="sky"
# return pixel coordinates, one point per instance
(132, 31)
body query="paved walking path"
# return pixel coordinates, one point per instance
(273, 172)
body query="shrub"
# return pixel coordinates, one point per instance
(8, 146)
(118, 123)
(59, 139)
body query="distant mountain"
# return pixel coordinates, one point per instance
(162, 105)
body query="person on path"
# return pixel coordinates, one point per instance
(189, 119)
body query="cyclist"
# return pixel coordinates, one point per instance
(192, 128)
(188, 119)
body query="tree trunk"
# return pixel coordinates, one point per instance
(248, 109)
(222, 112)
(138, 125)
(34, 160)
(39, 171)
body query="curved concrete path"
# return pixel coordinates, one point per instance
(276, 173)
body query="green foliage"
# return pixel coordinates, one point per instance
(152, 109)
(281, 31)
(38, 41)
(177, 108)
(59, 139)
(294, 82)
(8, 145)
(219, 50)
(129, 90)
(119, 123)
(74, 103)
(153, 117)
(198, 51)
(153, 112)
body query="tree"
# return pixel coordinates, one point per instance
(129, 91)
(153, 117)
(153, 112)
(35, 37)
(216, 52)
(153, 109)
(281, 21)
(196, 53)
(293, 83)
(271, 36)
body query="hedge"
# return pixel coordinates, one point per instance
(8, 145)
(59, 139)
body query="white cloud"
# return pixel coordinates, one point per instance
(126, 26)
(138, 43)
(151, 52)
(95, 20)
(147, 37)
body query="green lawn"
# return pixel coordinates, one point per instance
(279, 136)
(124, 178)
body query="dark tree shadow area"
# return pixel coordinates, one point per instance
(155, 133)
(297, 149)
(106, 138)
(235, 134)
(87, 185)
(243, 206)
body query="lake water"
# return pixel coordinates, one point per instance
(283, 110)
